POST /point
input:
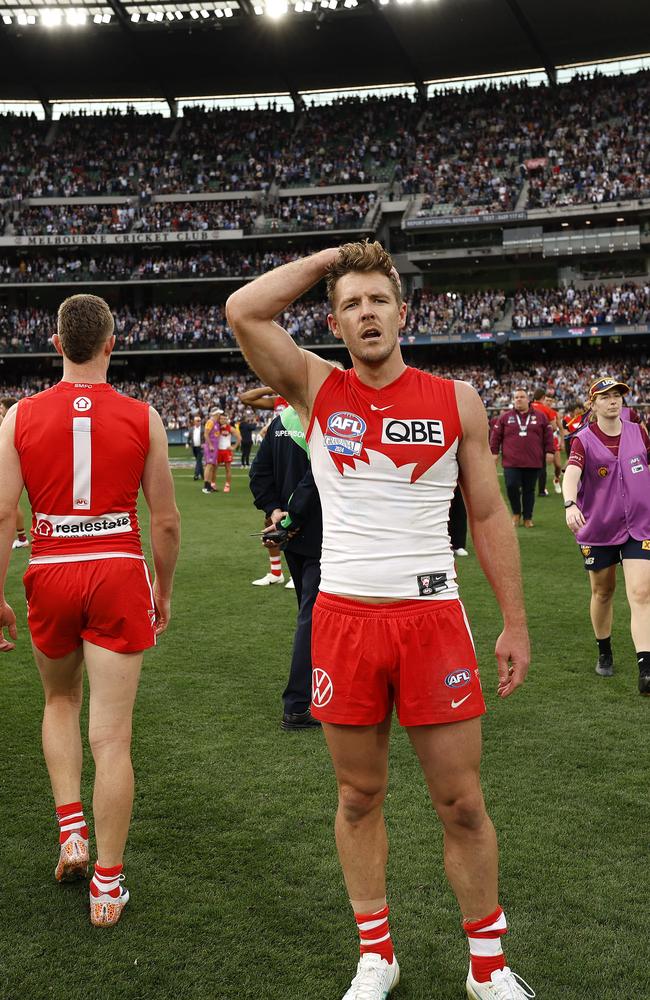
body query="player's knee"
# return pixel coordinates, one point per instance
(639, 593)
(355, 803)
(109, 740)
(603, 593)
(463, 812)
(71, 698)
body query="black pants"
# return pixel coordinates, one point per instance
(541, 480)
(458, 521)
(521, 485)
(305, 572)
(246, 452)
(198, 460)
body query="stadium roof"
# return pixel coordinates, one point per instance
(103, 49)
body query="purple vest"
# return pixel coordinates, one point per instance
(614, 493)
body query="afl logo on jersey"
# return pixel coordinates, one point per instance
(345, 432)
(82, 404)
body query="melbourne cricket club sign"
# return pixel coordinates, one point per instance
(112, 239)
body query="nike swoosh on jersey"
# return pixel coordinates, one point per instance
(457, 704)
(373, 407)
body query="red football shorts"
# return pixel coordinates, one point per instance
(418, 655)
(107, 601)
(224, 456)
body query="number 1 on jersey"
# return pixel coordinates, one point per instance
(81, 462)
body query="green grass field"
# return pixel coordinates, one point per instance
(236, 890)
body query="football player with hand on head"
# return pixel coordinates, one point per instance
(388, 446)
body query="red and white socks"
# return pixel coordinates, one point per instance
(374, 934)
(276, 565)
(485, 951)
(71, 820)
(106, 882)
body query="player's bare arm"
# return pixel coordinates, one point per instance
(262, 398)
(296, 374)
(494, 538)
(11, 486)
(158, 489)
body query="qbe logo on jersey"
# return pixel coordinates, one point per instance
(345, 432)
(413, 432)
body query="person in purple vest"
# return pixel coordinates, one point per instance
(607, 499)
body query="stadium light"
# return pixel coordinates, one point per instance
(178, 14)
(7, 19)
(228, 12)
(308, 5)
(75, 18)
(169, 14)
(135, 16)
(259, 10)
(218, 12)
(97, 18)
(194, 14)
(22, 17)
(276, 8)
(205, 13)
(51, 18)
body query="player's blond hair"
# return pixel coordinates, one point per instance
(84, 324)
(362, 257)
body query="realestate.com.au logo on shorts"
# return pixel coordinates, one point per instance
(68, 526)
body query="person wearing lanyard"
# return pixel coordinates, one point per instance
(607, 500)
(525, 440)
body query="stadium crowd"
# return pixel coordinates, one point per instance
(195, 325)
(584, 141)
(143, 267)
(625, 304)
(178, 398)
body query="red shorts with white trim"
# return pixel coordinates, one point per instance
(109, 602)
(224, 456)
(417, 655)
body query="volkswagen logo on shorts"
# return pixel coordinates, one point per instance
(322, 688)
(458, 678)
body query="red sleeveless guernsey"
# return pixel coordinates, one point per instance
(384, 461)
(82, 451)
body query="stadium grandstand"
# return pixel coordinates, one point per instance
(162, 155)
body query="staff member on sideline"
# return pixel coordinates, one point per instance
(525, 439)
(607, 500)
(194, 440)
(90, 597)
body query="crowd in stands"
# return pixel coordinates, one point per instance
(465, 150)
(178, 398)
(624, 304)
(196, 325)
(320, 212)
(141, 267)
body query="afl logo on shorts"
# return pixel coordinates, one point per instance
(458, 678)
(322, 689)
(82, 404)
(345, 432)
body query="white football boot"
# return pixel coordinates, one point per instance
(504, 985)
(17, 544)
(268, 580)
(106, 910)
(375, 978)
(290, 585)
(73, 859)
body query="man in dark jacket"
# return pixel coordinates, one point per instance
(282, 484)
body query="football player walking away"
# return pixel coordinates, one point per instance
(91, 601)
(388, 445)
(607, 500)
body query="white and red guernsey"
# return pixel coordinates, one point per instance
(384, 461)
(82, 451)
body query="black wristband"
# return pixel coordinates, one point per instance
(569, 503)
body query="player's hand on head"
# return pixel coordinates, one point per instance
(512, 652)
(8, 622)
